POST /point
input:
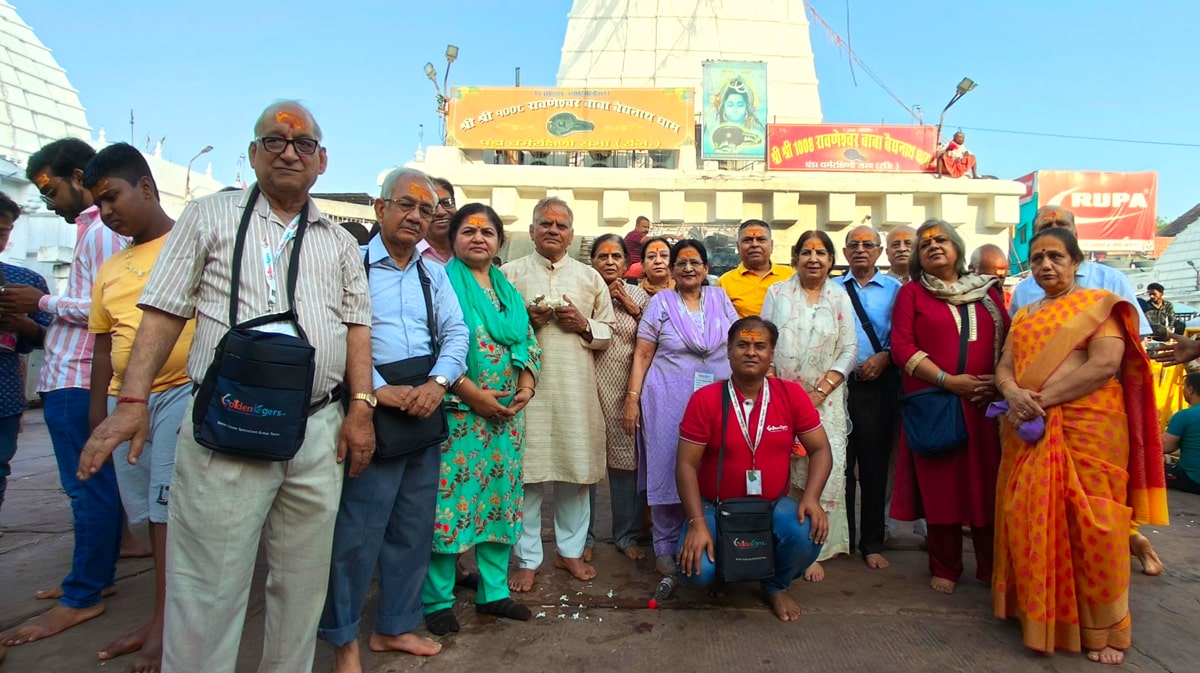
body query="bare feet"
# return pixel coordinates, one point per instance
(1107, 656)
(588, 554)
(405, 642)
(51, 622)
(149, 659)
(130, 642)
(522, 580)
(877, 561)
(634, 553)
(346, 658)
(1141, 548)
(814, 573)
(578, 568)
(57, 593)
(942, 585)
(783, 606)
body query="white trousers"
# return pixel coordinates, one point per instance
(220, 508)
(572, 510)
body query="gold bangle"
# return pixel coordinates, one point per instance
(530, 389)
(632, 393)
(831, 383)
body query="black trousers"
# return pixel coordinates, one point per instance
(873, 406)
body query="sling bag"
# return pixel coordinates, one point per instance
(933, 417)
(745, 539)
(889, 373)
(397, 432)
(254, 399)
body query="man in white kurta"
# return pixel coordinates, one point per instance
(572, 314)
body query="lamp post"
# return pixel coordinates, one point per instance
(1196, 271)
(443, 90)
(187, 181)
(964, 87)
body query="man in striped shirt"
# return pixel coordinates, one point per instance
(57, 170)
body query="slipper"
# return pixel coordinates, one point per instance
(505, 607)
(441, 622)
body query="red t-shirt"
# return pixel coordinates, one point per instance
(791, 414)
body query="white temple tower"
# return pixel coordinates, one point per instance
(661, 43)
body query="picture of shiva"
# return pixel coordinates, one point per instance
(734, 125)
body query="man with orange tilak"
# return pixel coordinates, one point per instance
(747, 284)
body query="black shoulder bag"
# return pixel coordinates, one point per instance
(254, 400)
(397, 432)
(933, 417)
(890, 372)
(745, 535)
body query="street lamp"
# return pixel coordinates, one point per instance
(964, 87)
(443, 90)
(1196, 271)
(187, 181)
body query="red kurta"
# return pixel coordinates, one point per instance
(958, 487)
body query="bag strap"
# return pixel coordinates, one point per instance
(239, 249)
(963, 334)
(426, 291)
(725, 402)
(862, 313)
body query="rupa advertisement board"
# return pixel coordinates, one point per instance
(1114, 212)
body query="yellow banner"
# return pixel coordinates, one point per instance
(549, 119)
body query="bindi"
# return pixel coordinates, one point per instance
(293, 121)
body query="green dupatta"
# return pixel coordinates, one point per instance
(509, 326)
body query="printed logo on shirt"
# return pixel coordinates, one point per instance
(778, 428)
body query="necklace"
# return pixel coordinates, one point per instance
(1051, 298)
(129, 266)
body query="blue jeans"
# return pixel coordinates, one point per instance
(8, 448)
(385, 519)
(794, 550)
(95, 503)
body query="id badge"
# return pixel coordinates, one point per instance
(701, 379)
(753, 482)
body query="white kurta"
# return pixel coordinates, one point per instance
(564, 426)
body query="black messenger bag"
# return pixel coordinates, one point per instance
(745, 536)
(254, 400)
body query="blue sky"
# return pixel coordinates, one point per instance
(199, 73)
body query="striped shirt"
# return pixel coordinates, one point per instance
(69, 346)
(194, 274)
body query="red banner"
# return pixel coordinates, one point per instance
(1111, 209)
(869, 149)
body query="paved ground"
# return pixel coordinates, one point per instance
(856, 620)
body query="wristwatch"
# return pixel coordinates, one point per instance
(369, 398)
(441, 381)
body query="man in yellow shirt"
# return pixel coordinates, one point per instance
(747, 284)
(124, 190)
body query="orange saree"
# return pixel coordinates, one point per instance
(1065, 504)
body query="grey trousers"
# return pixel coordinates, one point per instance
(627, 504)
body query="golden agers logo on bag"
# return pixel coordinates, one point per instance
(742, 543)
(233, 404)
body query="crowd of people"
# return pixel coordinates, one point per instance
(444, 397)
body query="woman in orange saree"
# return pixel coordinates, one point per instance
(1065, 502)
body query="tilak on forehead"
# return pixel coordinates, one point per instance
(931, 232)
(814, 243)
(609, 248)
(862, 236)
(291, 120)
(417, 189)
(41, 180)
(478, 220)
(755, 230)
(751, 335)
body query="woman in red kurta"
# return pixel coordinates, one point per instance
(956, 488)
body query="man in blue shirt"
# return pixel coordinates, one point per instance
(386, 515)
(1183, 435)
(1090, 274)
(873, 388)
(20, 333)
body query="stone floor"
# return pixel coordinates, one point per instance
(856, 620)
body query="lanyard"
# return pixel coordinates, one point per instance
(270, 256)
(743, 417)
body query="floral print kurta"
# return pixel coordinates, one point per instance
(480, 490)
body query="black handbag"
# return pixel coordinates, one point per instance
(933, 417)
(745, 539)
(254, 399)
(890, 375)
(397, 432)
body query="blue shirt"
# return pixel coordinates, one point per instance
(12, 382)
(1090, 275)
(399, 326)
(1185, 425)
(878, 298)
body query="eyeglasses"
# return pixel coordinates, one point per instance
(862, 245)
(446, 203)
(688, 263)
(277, 145)
(407, 205)
(48, 195)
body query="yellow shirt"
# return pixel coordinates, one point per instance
(115, 296)
(746, 289)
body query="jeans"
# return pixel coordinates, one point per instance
(8, 448)
(794, 549)
(1176, 479)
(95, 503)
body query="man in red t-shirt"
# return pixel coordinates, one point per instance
(799, 528)
(633, 243)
